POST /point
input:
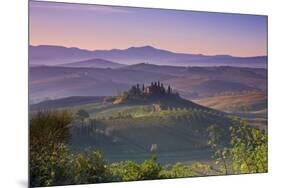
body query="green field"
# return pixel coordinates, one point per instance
(127, 131)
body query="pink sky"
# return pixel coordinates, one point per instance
(102, 27)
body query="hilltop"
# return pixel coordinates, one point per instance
(155, 90)
(155, 93)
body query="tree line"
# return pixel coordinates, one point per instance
(155, 89)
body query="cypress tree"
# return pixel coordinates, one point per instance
(162, 89)
(169, 89)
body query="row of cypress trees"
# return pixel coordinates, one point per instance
(154, 89)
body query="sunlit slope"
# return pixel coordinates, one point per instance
(251, 106)
(250, 101)
(176, 127)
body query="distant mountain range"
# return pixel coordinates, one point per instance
(58, 55)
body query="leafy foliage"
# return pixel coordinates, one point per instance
(51, 162)
(246, 152)
(130, 170)
(126, 171)
(216, 142)
(248, 149)
(89, 167)
(48, 128)
(49, 133)
(177, 171)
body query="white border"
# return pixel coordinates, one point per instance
(13, 91)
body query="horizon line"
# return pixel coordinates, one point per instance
(93, 50)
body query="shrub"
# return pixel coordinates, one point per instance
(48, 128)
(126, 171)
(246, 152)
(48, 166)
(49, 132)
(177, 171)
(132, 171)
(150, 169)
(51, 162)
(248, 149)
(89, 167)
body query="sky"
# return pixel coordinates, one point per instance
(107, 27)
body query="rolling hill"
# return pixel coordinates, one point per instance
(128, 130)
(252, 106)
(249, 101)
(94, 63)
(55, 55)
(65, 102)
(215, 87)
(51, 82)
